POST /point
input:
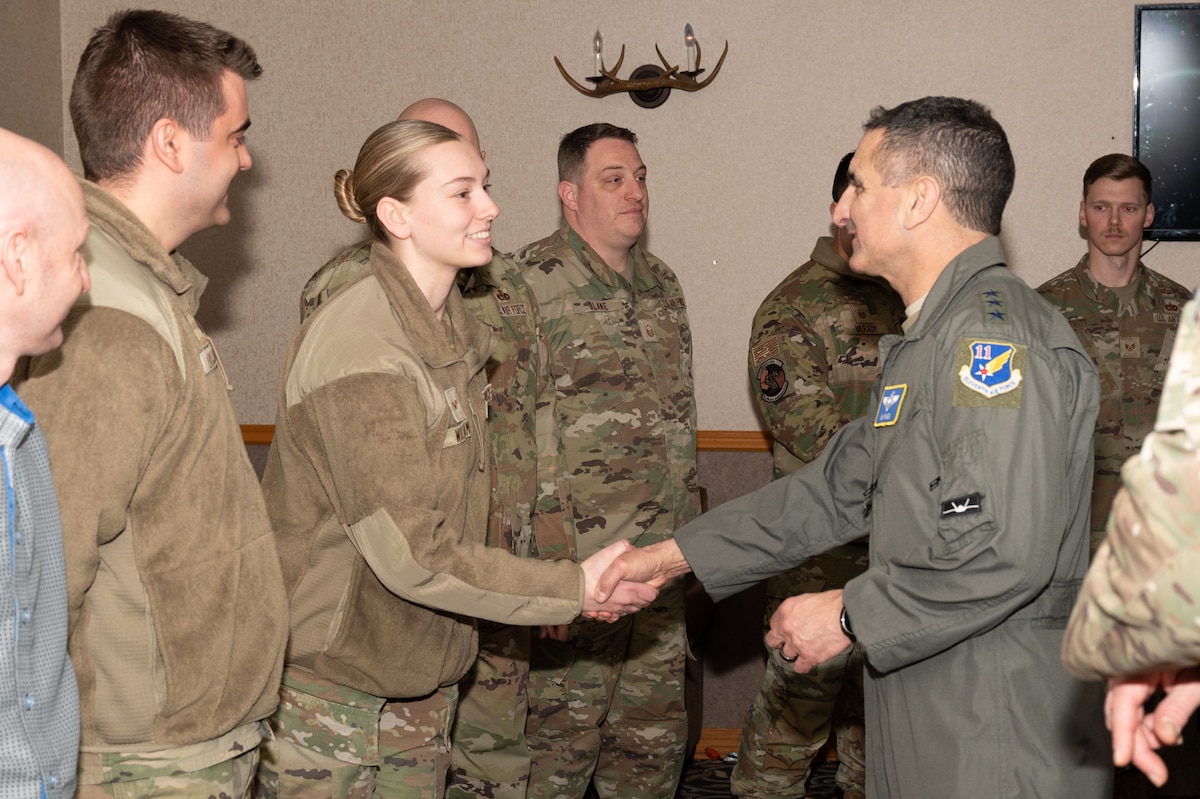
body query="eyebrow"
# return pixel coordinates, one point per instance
(622, 168)
(245, 126)
(465, 179)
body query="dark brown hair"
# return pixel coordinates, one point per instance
(1117, 166)
(573, 149)
(956, 141)
(143, 66)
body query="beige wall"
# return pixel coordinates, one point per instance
(31, 66)
(739, 172)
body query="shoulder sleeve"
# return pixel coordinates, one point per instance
(789, 378)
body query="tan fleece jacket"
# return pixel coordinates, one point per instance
(377, 484)
(177, 609)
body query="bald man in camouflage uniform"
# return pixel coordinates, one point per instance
(607, 703)
(490, 758)
(1124, 314)
(814, 355)
(1135, 619)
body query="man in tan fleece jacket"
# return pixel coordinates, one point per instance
(177, 613)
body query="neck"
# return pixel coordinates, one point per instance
(617, 260)
(148, 206)
(916, 280)
(434, 280)
(1113, 271)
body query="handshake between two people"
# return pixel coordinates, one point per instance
(622, 579)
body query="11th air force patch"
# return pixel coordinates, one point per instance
(989, 374)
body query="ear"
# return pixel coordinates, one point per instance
(393, 215)
(1149, 216)
(166, 142)
(567, 192)
(924, 196)
(15, 255)
(1083, 214)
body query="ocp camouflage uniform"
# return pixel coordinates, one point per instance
(195, 770)
(623, 419)
(323, 721)
(814, 354)
(1138, 605)
(1130, 342)
(490, 758)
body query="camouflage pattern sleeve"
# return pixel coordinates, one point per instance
(331, 277)
(814, 353)
(1137, 610)
(789, 377)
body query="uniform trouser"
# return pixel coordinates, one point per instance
(230, 779)
(224, 766)
(489, 755)
(327, 749)
(791, 718)
(607, 706)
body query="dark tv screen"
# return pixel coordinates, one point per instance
(1166, 114)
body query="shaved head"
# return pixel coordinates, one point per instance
(34, 183)
(444, 113)
(43, 226)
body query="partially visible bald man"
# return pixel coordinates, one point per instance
(490, 757)
(43, 225)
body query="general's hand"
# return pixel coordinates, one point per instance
(653, 565)
(808, 628)
(624, 598)
(1135, 734)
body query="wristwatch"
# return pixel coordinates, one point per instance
(847, 630)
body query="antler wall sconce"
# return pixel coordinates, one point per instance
(649, 85)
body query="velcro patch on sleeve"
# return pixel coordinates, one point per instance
(988, 374)
(890, 403)
(961, 506)
(772, 380)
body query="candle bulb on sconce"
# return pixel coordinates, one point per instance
(689, 40)
(598, 51)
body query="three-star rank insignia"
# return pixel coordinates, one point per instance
(989, 374)
(993, 306)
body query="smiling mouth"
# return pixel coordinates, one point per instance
(483, 234)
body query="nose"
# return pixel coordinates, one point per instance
(636, 190)
(244, 159)
(488, 208)
(841, 209)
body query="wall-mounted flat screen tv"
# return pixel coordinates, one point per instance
(1166, 114)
